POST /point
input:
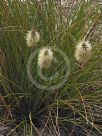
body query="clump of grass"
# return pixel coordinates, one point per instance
(71, 108)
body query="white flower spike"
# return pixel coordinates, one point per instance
(32, 38)
(83, 52)
(45, 58)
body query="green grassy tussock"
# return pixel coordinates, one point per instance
(76, 102)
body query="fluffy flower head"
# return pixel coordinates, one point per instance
(32, 37)
(45, 58)
(83, 52)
